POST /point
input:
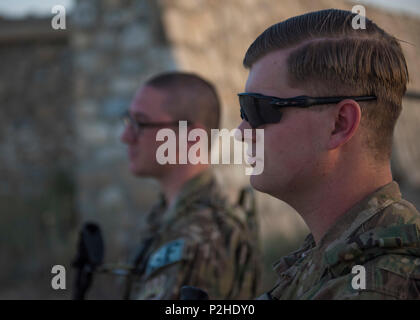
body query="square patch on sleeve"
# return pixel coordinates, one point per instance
(169, 253)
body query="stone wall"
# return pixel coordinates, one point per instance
(37, 192)
(116, 46)
(35, 94)
(63, 93)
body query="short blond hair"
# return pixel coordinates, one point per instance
(331, 58)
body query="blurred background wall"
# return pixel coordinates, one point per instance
(37, 162)
(62, 92)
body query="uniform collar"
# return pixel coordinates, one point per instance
(193, 187)
(344, 227)
(197, 187)
(360, 213)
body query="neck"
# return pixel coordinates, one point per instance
(172, 182)
(321, 206)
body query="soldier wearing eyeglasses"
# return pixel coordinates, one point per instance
(194, 237)
(328, 97)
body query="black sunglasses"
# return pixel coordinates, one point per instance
(258, 109)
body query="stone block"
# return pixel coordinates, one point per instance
(117, 18)
(86, 109)
(131, 64)
(105, 41)
(110, 154)
(81, 40)
(111, 197)
(113, 107)
(135, 37)
(85, 14)
(93, 133)
(124, 85)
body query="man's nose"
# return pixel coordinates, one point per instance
(246, 132)
(127, 135)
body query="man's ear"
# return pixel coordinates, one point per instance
(346, 122)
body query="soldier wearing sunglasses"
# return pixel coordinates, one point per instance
(194, 236)
(328, 97)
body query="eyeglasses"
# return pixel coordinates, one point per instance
(139, 125)
(258, 109)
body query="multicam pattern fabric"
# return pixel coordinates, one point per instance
(199, 241)
(381, 233)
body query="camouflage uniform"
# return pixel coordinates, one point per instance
(381, 233)
(198, 241)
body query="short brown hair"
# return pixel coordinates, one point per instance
(190, 98)
(330, 57)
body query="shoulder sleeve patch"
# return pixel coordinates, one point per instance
(169, 253)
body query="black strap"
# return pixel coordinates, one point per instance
(139, 264)
(90, 254)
